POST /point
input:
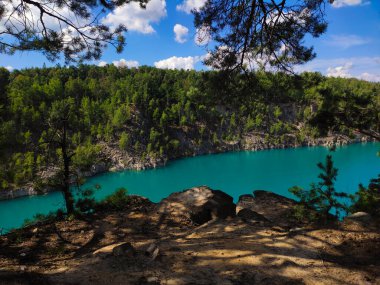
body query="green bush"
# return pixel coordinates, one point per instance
(322, 196)
(37, 218)
(86, 202)
(367, 199)
(86, 156)
(117, 200)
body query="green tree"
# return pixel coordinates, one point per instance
(322, 196)
(367, 199)
(124, 141)
(55, 27)
(248, 33)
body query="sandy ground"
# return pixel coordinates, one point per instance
(219, 252)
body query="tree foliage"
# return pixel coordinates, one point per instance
(152, 113)
(322, 197)
(55, 27)
(259, 33)
(367, 199)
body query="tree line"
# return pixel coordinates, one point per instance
(54, 120)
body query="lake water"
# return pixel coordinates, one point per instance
(236, 173)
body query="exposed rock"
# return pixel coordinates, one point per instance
(118, 249)
(273, 207)
(361, 218)
(199, 204)
(21, 192)
(245, 201)
(115, 159)
(95, 169)
(153, 251)
(247, 215)
(124, 249)
(136, 202)
(149, 281)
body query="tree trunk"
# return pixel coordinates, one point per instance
(69, 199)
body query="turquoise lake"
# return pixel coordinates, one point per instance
(235, 173)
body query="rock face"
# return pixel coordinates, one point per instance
(199, 204)
(274, 207)
(21, 192)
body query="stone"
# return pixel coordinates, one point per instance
(124, 249)
(117, 249)
(359, 217)
(153, 251)
(247, 215)
(199, 204)
(274, 207)
(245, 201)
(152, 280)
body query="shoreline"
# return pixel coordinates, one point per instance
(249, 143)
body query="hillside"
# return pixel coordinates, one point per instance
(116, 118)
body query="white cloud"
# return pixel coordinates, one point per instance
(202, 36)
(189, 5)
(137, 19)
(10, 68)
(126, 63)
(370, 77)
(344, 71)
(366, 68)
(181, 33)
(343, 3)
(175, 62)
(102, 63)
(340, 71)
(347, 41)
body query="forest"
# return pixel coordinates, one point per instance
(67, 114)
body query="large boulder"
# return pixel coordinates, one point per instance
(276, 208)
(199, 204)
(361, 217)
(358, 220)
(249, 216)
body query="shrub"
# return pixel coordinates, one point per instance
(38, 218)
(86, 202)
(322, 196)
(367, 199)
(124, 141)
(117, 200)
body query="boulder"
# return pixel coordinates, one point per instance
(118, 249)
(247, 215)
(124, 249)
(199, 204)
(273, 207)
(362, 218)
(245, 201)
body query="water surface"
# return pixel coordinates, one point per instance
(235, 173)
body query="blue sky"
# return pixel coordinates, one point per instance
(349, 48)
